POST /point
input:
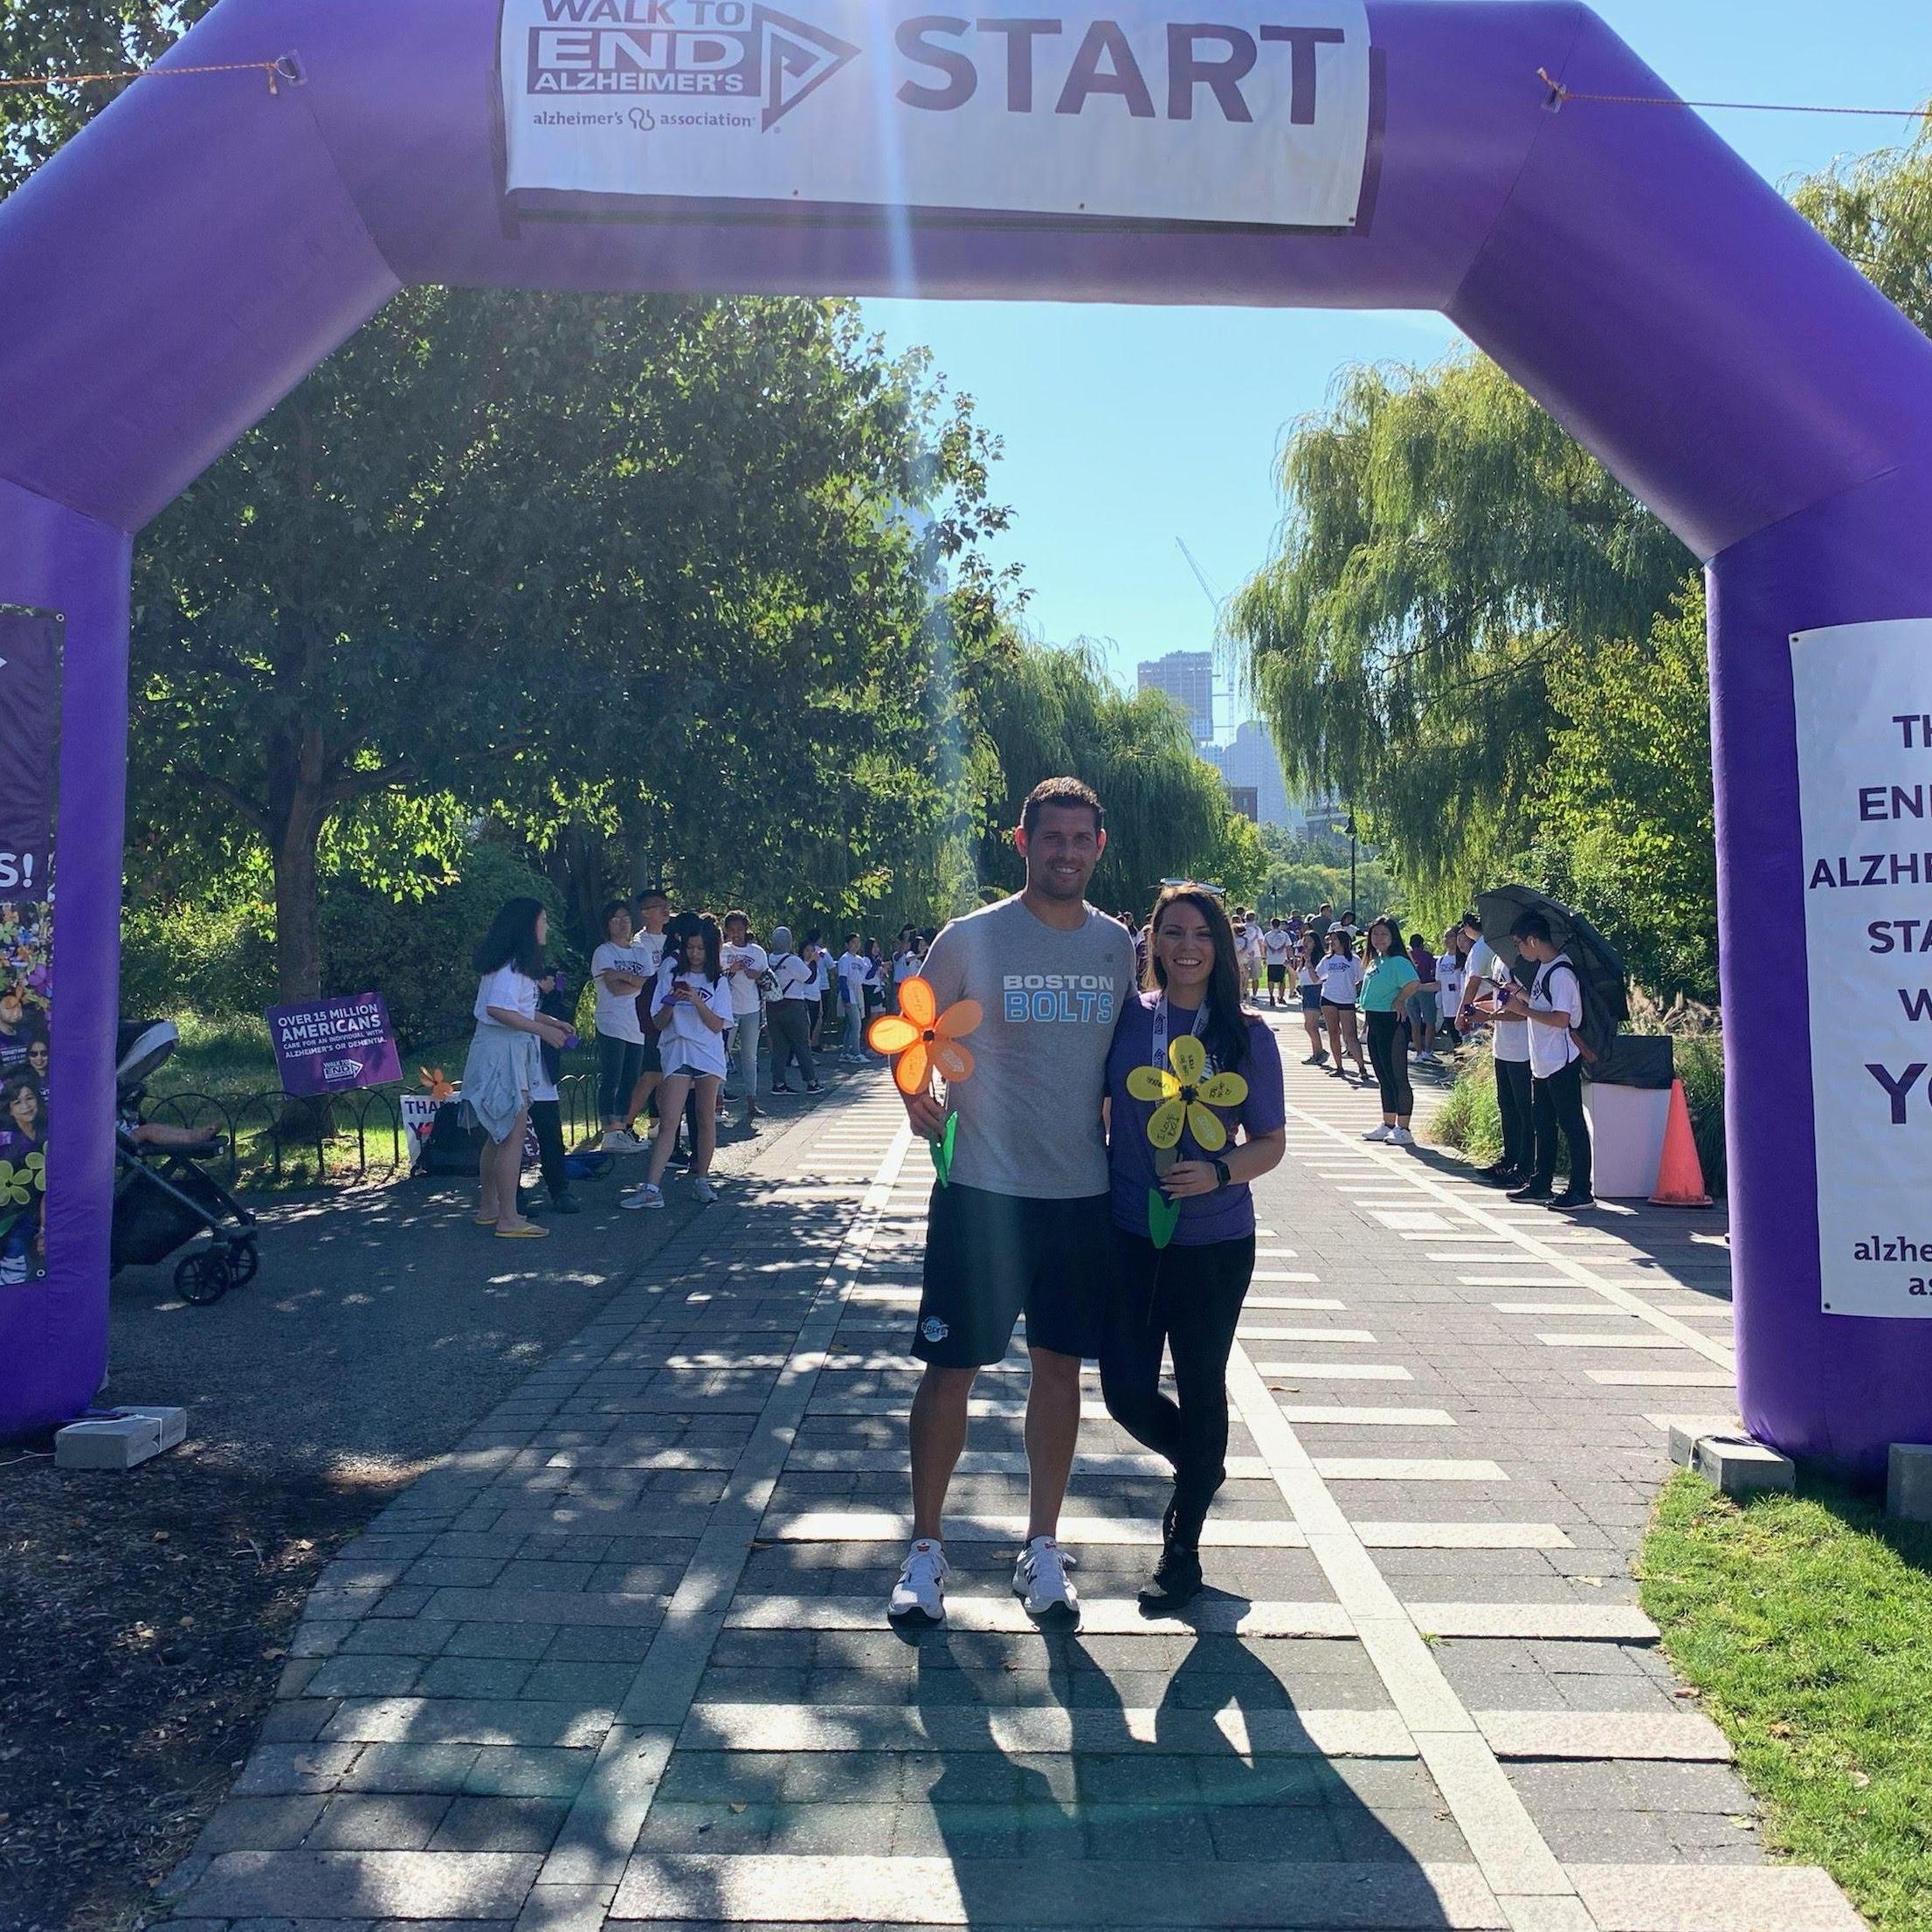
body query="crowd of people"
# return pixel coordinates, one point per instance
(1126, 1090)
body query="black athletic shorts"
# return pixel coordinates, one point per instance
(1277, 975)
(989, 1256)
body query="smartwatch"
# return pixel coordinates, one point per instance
(1221, 1169)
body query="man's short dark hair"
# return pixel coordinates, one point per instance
(1072, 793)
(1532, 925)
(649, 893)
(1470, 918)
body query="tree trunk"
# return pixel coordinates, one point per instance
(298, 912)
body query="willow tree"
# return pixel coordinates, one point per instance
(1444, 541)
(1044, 711)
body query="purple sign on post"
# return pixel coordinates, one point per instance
(328, 1046)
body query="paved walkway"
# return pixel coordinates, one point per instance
(620, 1657)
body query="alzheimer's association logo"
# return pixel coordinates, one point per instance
(719, 50)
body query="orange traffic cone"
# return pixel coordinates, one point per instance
(1679, 1174)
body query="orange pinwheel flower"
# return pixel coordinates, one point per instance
(925, 1039)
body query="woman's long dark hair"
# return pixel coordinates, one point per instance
(511, 940)
(1397, 947)
(1225, 1035)
(683, 925)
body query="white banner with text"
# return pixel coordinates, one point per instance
(1864, 703)
(1254, 111)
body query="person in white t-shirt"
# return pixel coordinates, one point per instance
(1277, 950)
(1307, 987)
(1488, 983)
(745, 964)
(1339, 974)
(788, 1012)
(908, 963)
(1553, 1008)
(505, 1065)
(854, 969)
(653, 913)
(825, 990)
(690, 1008)
(1251, 955)
(620, 971)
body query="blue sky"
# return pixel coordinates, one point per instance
(1127, 427)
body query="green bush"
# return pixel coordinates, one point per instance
(217, 960)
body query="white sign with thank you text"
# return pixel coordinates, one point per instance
(1863, 704)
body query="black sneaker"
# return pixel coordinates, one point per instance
(1531, 1191)
(1570, 1199)
(815, 1086)
(779, 1087)
(566, 1203)
(1501, 1175)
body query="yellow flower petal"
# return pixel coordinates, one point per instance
(1225, 1090)
(913, 1070)
(891, 1034)
(1205, 1126)
(1152, 1083)
(1188, 1057)
(1163, 1127)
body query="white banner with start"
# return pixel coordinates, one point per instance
(1255, 113)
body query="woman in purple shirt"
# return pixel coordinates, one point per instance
(1188, 1294)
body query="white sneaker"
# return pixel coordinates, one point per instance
(919, 1597)
(617, 1141)
(1383, 1133)
(644, 1196)
(1402, 1138)
(703, 1188)
(1040, 1578)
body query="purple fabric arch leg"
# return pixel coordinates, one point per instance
(202, 246)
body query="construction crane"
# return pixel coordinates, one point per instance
(1200, 577)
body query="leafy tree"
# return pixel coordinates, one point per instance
(1444, 541)
(1307, 873)
(1046, 711)
(1627, 788)
(588, 563)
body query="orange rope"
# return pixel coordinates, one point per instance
(1559, 94)
(276, 70)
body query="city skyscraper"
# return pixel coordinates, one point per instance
(1188, 677)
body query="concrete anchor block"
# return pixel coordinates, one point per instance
(1909, 1482)
(1741, 1467)
(1687, 1431)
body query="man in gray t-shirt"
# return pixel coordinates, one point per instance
(1024, 1223)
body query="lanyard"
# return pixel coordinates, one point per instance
(1160, 1029)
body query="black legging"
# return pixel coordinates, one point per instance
(1519, 1137)
(546, 1119)
(791, 1039)
(1389, 1053)
(1190, 1300)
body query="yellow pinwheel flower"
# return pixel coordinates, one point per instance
(16, 1184)
(1183, 1098)
(924, 1038)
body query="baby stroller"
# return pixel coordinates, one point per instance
(161, 1198)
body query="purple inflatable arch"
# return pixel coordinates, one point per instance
(206, 242)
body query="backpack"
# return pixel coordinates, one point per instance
(1595, 1033)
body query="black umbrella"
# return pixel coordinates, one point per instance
(1597, 964)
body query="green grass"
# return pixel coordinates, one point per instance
(1805, 1622)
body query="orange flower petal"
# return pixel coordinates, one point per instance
(962, 1017)
(890, 1034)
(954, 1061)
(913, 1070)
(917, 1003)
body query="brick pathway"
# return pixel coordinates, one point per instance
(620, 1657)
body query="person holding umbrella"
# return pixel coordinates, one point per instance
(1554, 1008)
